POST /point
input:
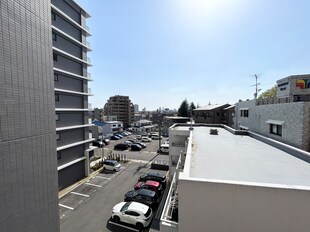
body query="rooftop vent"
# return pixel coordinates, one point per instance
(214, 132)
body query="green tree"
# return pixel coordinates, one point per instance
(183, 109)
(191, 108)
(269, 93)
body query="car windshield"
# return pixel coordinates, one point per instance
(125, 207)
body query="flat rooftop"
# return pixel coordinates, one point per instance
(230, 157)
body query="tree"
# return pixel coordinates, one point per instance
(191, 108)
(183, 109)
(269, 93)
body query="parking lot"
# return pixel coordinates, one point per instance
(88, 207)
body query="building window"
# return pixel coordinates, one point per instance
(55, 57)
(58, 155)
(57, 136)
(57, 117)
(275, 129)
(244, 113)
(55, 77)
(53, 16)
(54, 36)
(56, 97)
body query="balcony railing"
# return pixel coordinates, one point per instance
(89, 76)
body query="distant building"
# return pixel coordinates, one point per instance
(97, 114)
(122, 108)
(227, 180)
(211, 114)
(107, 128)
(168, 121)
(143, 125)
(285, 119)
(136, 108)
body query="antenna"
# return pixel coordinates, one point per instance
(256, 86)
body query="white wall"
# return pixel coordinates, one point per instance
(222, 207)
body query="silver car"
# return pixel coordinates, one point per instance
(112, 165)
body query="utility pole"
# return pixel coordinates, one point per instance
(256, 86)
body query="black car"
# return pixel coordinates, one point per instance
(98, 144)
(144, 196)
(113, 137)
(143, 145)
(121, 146)
(154, 176)
(135, 147)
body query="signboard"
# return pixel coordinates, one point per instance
(283, 88)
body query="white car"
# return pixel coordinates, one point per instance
(112, 165)
(134, 213)
(146, 139)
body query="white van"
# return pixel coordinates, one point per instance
(164, 148)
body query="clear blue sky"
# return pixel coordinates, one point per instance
(159, 52)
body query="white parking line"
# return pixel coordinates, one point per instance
(107, 178)
(68, 207)
(133, 229)
(94, 185)
(80, 194)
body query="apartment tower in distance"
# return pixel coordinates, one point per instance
(69, 33)
(28, 173)
(122, 108)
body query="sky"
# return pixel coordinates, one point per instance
(160, 52)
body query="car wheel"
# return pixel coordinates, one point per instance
(116, 219)
(139, 226)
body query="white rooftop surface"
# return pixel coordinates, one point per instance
(230, 157)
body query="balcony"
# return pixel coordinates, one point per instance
(89, 76)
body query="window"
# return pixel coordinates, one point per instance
(275, 129)
(55, 57)
(58, 155)
(56, 97)
(57, 117)
(54, 36)
(55, 77)
(57, 136)
(244, 113)
(53, 16)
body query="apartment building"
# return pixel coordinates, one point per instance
(285, 118)
(28, 173)
(211, 114)
(122, 108)
(228, 180)
(70, 48)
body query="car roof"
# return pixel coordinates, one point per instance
(138, 206)
(146, 192)
(152, 183)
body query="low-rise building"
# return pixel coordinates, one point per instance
(227, 180)
(211, 114)
(106, 129)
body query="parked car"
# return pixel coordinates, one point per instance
(154, 176)
(139, 137)
(129, 143)
(144, 196)
(119, 135)
(121, 146)
(106, 141)
(150, 185)
(98, 144)
(112, 165)
(143, 145)
(133, 213)
(114, 137)
(156, 137)
(136, 147)
(164, 148)
(146, 139)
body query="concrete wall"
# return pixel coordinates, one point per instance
(71, 174)
(211, 206)
(70, 119)
(28, 166)
(292, 114)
